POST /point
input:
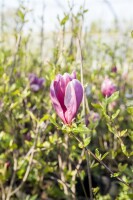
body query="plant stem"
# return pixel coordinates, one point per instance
(2, 190)
(87, 156)
(10, 192)
(89, 175)
(100, 161)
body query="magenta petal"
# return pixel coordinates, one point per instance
(70, 103)
(56, 103)
(67, 78)
(60, 92)
(73, 75)
(78, 91)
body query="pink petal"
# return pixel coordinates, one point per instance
(59, 89)
(78, 91)
(67, 78)
(56, 103)
(73, 75)
(70, 103)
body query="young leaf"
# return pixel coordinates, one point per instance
(104, 155)
(87, 141)
(113, 97)
(52, 120)
(64, 20)
(130, 110)
(81, 145)
(116, 114)
(115, 174)
(33, 117)
(123, 132)
(98, 155)
(95, 105)
(123, 147)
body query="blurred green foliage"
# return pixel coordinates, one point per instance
(39, 158)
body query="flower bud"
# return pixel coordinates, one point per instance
(108, 87)
(114, 69)
(92, 117)
(35, 83)
(66, 94)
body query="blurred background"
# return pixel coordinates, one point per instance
(38, 40)
(40, 19)
(106, 11)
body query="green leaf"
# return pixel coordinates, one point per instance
(95, 190)
(21, 15)
(44, 118)
(82, 129)
(130, 110)
(123, 147)
(33, 117)
(110, 128)
(122, 167)
(81, 145)
(97, 154)
(113, 97)
(64, 20)
(123, 132)
(95, 105)
(94, 165)
(104, 155)
(52, 120)
(85, 11)
(116, 114)
(87, 141)
(115, 174)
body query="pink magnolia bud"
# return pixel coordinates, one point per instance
(66, 94)
(114, 69)
(108, 87)
(92, 117)
(35, 83)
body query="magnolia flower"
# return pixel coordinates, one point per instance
(35, 82)
(66, 94)
(108, 87)
(114, 69)
(92, 117)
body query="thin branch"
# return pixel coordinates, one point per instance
(89, 175)
(2, 191)
(100, 161)
(28, 167)
(82, 185)
(81, 73)
(76, 171)
(15, 54)
(12, 179)
(82, 82)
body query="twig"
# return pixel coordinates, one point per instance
(28, 167)
(81, 73)
(100, 161)
(63, 183)
(82, 185)
(42, 36)
(87, 156)
(15, 54)
(61, 166)
(89, 175)
(12, 179)
(2, 191)
(76, 171)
